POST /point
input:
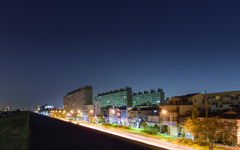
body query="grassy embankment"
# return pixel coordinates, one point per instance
(15, 132)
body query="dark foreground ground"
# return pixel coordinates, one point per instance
(49, 133)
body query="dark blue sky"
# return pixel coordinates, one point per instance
(48, 48)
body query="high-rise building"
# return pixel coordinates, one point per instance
(152, 98)
(77, 99)
(122, 97)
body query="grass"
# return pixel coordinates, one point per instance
(15, 132)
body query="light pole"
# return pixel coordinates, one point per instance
(113, 114)
(79, 114)
(137, 112)
(160, 127)
(164, 112)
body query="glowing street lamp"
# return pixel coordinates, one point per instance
(91, 111)
(164, 112)
(78, 111)
(72, 111)
(113, 111)
(64, 111)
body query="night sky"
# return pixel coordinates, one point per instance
(48, 48)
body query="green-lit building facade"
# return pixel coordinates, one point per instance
(122, 97)
(152, 98)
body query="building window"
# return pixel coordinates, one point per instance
(217, 97)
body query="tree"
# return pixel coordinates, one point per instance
(144, 125)
(216, 129)
(193, 124)
(212, 128)
(80, 116)
(101, 118)
(90, 117)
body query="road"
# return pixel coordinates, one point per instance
(49, 133)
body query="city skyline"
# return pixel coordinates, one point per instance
(50, 48)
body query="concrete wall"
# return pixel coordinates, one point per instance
(238, 131)
(199, 101)
(183, 109)
(154, 119)
(97, 108)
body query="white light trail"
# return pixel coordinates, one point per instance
(153, 142)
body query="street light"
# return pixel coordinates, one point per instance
(78, 111)
(164, 112)
(113, 116)
(91, 111)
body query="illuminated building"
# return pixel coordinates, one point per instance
(122, 97)
(222, 100)
(77, 99)
(177, 109)
(152, 98)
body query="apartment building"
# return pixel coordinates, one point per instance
(222, 100)
(122, 97)
(151, 98)
(177, 109)
(77, 99)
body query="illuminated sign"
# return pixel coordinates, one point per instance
(173, 124)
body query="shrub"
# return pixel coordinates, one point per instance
(151, 132)
(186, 141)
(164, 129)
(126, 127)
(107, 124)
(116, 125)
(203, 143)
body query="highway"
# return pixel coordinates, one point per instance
(52, 134)
(148, 141)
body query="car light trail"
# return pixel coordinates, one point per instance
(141, 139)
(153, 142)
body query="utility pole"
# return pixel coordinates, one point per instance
(160, 124)
(137, 112)
(206, 104)
(171, 124)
